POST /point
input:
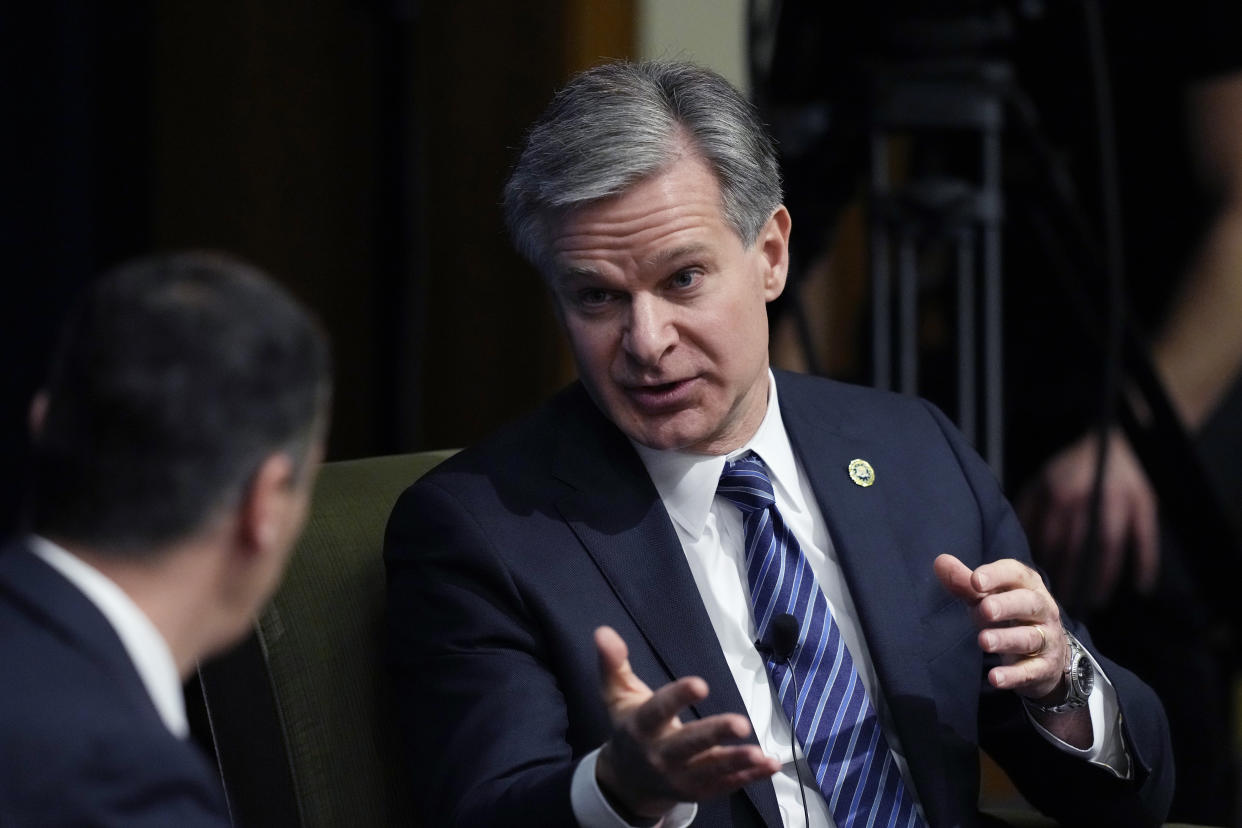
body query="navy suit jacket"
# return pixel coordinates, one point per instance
(503, 561)
(81, 743)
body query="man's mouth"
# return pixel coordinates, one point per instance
(654, 398)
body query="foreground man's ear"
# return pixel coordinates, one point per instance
(267, 501)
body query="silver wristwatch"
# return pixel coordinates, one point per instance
(1079, 679)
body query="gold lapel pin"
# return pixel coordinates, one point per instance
(861, 473)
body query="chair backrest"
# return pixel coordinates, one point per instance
(300, 715)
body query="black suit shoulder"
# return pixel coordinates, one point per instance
(526, 468)
(83, 745)
(528, 445)
(858, 410)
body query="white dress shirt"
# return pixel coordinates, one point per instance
(711, 534)
(142, 641)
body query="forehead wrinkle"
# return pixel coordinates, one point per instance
(657, 220)
(618, 226)
(569, 274)
(682, 251)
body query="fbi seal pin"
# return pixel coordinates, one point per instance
(862, 473)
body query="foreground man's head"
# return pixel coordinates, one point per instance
(186, 409)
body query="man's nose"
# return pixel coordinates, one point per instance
(650, 332)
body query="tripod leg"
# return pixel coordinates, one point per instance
(967, 402)
(994, 423)
(908, 308)
(881, 290)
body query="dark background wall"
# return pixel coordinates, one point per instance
(355, 150)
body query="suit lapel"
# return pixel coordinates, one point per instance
(616, 513)
(876, 571)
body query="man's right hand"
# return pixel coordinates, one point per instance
(653, 761)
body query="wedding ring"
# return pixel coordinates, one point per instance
(1043, 642)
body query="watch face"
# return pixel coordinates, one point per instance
(1082, 674)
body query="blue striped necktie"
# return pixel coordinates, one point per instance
(835, 722)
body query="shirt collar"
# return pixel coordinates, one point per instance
(686, 482)
(147, 649)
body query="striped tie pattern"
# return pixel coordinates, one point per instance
(833, 719)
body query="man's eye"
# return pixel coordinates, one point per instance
(593, 297)
(683, 279)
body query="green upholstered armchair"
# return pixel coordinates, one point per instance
(300, 715)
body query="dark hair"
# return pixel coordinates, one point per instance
(618, 123)
(176, 376)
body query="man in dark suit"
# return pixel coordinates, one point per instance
(174, 452)
(767, 551)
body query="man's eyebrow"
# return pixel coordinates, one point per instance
(685, 251)
(577, 272)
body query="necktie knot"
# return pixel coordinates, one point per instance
(745, 483)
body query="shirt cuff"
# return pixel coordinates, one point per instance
(592, 810)
(1108, 748)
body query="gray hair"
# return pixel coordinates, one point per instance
(619, 123)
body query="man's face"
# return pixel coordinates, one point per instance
(665, 309)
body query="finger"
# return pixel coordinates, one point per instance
(1115, 517)
(656, 713)
(1076, 523)
(1032, 677)
(740, 779)
(1030, 507)
(1075, 566)
(1071, 571)
(723, 769)
(703, 735)
(1057, 554)
(619, 685)
(1052, 522)
(1022, 606)
(1146, 544)
(955, 577)
(1004, 575)
(1024, 641)
(614, 656)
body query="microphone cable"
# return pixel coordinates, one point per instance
(785, 630)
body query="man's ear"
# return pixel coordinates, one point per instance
(263, 511)
(773, 245)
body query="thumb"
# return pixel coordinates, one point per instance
(620, 687)
(955, 577)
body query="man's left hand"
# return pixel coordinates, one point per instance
(1017, 618)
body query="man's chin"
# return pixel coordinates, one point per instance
(658, 443)
(688, 432)
(674, 430)
(663, 435)
(667, 436)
